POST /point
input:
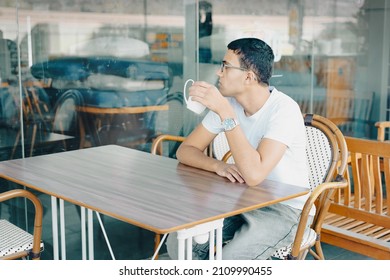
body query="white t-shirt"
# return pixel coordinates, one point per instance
(279, 119)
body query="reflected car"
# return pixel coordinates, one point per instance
(103, 83)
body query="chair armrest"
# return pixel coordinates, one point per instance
(324, 193)
(226, 157)
(157, 143)
(35, 253)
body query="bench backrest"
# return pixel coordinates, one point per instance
(369, 182)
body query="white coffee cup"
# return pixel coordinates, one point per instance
(194, 106)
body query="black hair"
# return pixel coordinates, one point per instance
(255, 55)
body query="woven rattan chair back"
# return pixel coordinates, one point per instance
(327, 157)
(319, 155)
(221, 147)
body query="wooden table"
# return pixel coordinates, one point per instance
(153, 192)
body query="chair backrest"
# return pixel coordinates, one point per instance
(319, 153)
(221, 147)
(370, 177)
(327, 156)
(13, 233)
(326, 151)
(382, 128)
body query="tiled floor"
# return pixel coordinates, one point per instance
(128, 242)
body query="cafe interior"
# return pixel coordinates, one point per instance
(82, 74)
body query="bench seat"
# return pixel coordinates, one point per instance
(358, 235)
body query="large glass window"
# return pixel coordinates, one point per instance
(88, 73)
(91, 73)
(76, 74)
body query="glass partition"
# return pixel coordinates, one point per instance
(90, 74)
(76, 74)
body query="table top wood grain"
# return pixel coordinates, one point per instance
(150, 191)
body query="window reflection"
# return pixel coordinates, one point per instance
(113, 72)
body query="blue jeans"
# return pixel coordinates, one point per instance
(250, 236)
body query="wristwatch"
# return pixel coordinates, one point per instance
(229, 123)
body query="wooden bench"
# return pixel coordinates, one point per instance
(359, 218)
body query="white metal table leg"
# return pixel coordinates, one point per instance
(201, 234)
(83, 234)
(181, 248)
(211, 245)
(218, 255)
(189, 248)
(62, 227)
(54, 221)
(159, 246)
(90, 234)
(105, 235)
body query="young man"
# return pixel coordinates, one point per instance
(266, 135)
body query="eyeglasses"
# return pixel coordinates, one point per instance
(224, 65)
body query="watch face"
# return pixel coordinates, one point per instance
(229, 124)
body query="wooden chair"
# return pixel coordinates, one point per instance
(16, 243)
(381, 129)
(359, 218)
(327, 157)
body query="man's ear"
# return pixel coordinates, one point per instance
(251, 77)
